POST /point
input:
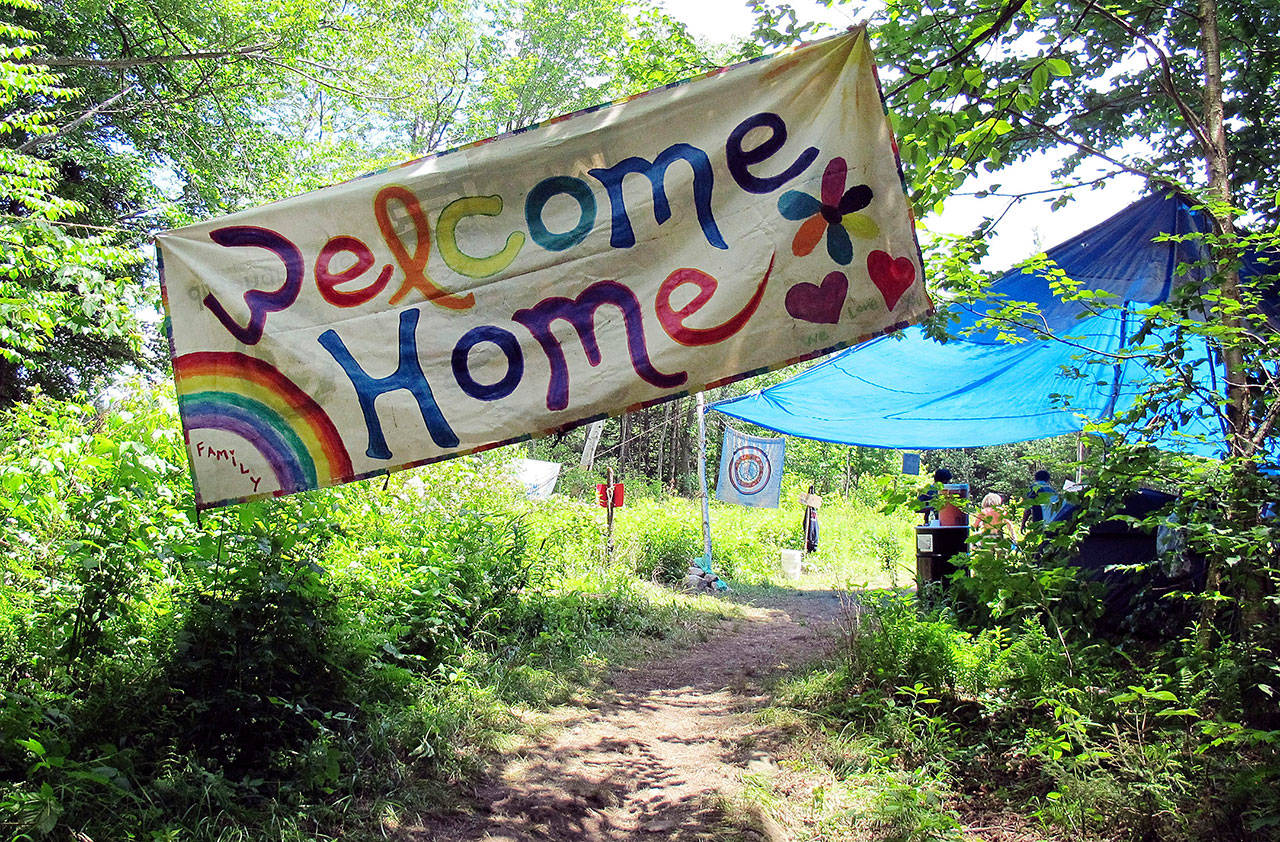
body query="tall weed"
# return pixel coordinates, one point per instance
(277, 664)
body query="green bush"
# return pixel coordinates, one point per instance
(1101, 741)
(281, 662)
(747, 541)
(658, 542)
(897, 646)
(578, 483)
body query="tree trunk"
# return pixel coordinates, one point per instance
(672, 443)
(624, 424)
(637, 442)
(1218, 167)
(1246, 582)
(662, 442)
(687, 438)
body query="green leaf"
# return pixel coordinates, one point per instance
(1058, 67)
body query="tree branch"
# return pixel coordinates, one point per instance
(330, 85)
(1006, 15)
(1166, 73)
(255, 51)
(1059, 189)
(1085, 147)
(1045, 332)
(74, 124)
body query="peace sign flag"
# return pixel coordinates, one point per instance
(750, 470)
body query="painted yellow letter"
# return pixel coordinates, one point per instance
(447, 240)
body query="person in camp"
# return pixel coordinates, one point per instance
(1042, 500)
(940, 478)
(990, 521)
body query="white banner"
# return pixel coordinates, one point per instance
(751, 469)
(600, 262)
(537, 477)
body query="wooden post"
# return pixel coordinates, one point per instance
(608, 508)
(702, 476)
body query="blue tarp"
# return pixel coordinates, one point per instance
(910, 391)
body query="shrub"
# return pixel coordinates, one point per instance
(893, 645)
(658, 542)
(283, 660)
(578, 483)
(747, 541)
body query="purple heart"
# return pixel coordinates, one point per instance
(820, 304)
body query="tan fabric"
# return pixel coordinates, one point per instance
(537, 281)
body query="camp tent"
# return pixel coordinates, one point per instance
(910, 391)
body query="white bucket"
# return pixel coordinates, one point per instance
(791, 563)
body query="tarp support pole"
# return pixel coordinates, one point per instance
(702, 478)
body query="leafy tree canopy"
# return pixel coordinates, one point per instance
(122, 117)
(974, 87)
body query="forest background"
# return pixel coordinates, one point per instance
(302, 668)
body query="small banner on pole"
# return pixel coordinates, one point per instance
(600, 262)
(750, 470)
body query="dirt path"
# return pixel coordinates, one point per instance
(651, 758)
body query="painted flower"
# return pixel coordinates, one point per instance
(836, 214)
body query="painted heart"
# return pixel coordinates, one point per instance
(891, 276)
(819, 303)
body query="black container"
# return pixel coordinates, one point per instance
(935, 547)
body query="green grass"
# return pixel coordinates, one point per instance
(858, 545)
(324, 665)
(328, 661)
(920, 726)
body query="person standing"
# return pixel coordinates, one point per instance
(941, 477)
(1043, 500)
(810, 524)
(991, 520)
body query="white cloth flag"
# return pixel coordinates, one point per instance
(600, 262)
(750, 470)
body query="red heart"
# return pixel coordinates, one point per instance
(819, 304)
(892, 277)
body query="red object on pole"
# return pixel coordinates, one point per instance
(609, 495)
(602, 496)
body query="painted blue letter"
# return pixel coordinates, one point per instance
(408, 375)
(581, 313)
(510, 347)
(740, 160)
(575, 188)
(622, 236)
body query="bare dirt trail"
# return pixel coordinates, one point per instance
(651, 757)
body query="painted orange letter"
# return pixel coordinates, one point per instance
(415, 265)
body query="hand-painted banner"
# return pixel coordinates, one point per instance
(750, 470)
(600, 262)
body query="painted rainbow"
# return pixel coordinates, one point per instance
(224, 390)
